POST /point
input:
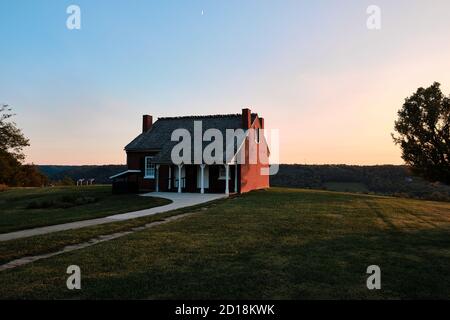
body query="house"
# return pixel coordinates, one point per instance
(237, 165)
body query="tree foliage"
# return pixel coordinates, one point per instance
(423, 128)
(12, 139)
(12, 142)
(385, 179)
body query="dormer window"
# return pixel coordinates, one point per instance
(149, 168)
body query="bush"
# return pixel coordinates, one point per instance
(73, 201)
(68, 198)
(66, 181)
(44, 204)
(64, 202)
(3, 187)
(439, 196)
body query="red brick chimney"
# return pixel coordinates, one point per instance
(246, 118)
(261, 121)
(147, 122)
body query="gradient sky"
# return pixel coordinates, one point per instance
(311, 68)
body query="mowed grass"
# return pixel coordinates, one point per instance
(52, 242)
(275, 244)
(24, 208)
(346, 187)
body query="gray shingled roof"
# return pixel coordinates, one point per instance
(158, 138)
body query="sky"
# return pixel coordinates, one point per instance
(312, 69)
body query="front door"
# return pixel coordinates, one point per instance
(191, 178)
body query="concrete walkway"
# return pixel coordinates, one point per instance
(179, 200)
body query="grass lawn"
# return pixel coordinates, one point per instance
(281, 243)
(24, 208)
(346, 186)
(52, 242)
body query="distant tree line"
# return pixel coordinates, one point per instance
(384, 179)
(68, 175)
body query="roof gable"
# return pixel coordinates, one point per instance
(159, 136)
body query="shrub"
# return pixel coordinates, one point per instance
(73, 201)
(44, 204)
(85, 200)
(64, 202)
(3, 187)
(66, 181)
(68, 198)
(439, 196)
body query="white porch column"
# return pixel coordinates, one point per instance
(227, 174)
(157, 177)
(235, 177)
(170, 176)
(179, 177)
(202, 175)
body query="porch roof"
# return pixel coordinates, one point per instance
(124, 173)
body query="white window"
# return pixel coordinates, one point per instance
(149, 168)
(177, 178)
(222, 173)
(205, 177)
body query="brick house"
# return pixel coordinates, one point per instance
(150, 165)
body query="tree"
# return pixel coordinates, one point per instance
(66, 181)
(9, 167)
(12, 142)
(423, 128)
(28, 175)
(12, 139)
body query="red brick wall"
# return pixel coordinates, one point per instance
(135, 161)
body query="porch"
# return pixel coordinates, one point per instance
(191, 178)
(158, 177)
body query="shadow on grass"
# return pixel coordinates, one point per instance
(414, 265)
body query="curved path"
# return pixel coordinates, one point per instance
(179, 200)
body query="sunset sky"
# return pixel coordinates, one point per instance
(312, 69)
